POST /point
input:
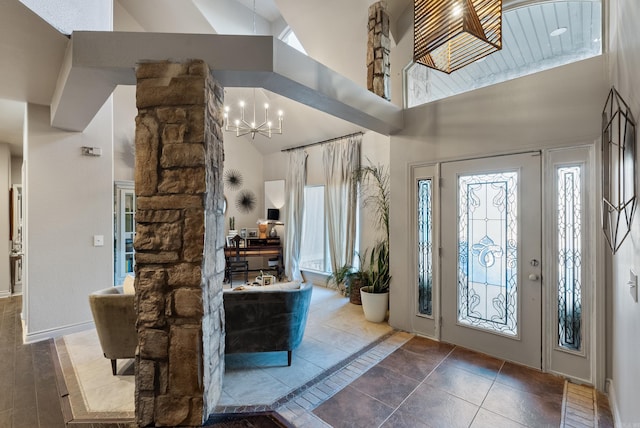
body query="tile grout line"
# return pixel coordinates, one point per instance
(493, 382)
(564, 404)
(419, 384)
(35, 384)
(596, 410)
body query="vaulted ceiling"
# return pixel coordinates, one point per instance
(332, 32)
(36, 50)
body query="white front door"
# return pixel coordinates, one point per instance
(491, 256)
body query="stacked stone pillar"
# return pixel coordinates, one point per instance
(378, 45)
(179, 243)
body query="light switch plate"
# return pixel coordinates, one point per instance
(633, 285)
(98, 240)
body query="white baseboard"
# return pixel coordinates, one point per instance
(38, 336)
(4, 294)
(611, 392)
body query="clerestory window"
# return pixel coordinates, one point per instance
(290, 38)
(536, 37)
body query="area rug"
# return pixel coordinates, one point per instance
(93, 393)
(336, 331)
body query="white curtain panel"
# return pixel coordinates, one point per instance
(294, 197)
(340, 161)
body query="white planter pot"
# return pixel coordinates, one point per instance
(375, 305)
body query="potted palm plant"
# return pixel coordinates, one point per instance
(374, 183)
(349, 280)
(358, 278)
(340, 278)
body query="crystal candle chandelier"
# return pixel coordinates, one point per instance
(241, 126)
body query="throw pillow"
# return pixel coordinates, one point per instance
(128, 285)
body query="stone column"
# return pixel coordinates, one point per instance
(378, 45)
(179, 243)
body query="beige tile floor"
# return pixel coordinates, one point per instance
(335, 330)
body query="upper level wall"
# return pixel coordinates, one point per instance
(557, 107)
(624, 68)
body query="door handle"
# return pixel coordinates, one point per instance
(534, 276)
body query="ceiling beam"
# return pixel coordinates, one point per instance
(96, 62)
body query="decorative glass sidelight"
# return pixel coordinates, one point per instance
(569, 257)
(425, 247)
(488, 252)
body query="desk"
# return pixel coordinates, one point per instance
(257, 251)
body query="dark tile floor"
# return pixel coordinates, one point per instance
(421, 384)
(28, 394)
(431, 384)
(30, 398)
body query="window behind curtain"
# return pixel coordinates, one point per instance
(314, 249)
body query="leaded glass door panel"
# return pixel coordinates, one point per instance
(491, 252)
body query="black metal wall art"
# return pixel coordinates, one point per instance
(232, 179)
(246, 201)
(618, 169)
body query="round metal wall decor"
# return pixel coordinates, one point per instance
(232, 178)
(246, 201)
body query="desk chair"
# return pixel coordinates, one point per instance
(236, 263)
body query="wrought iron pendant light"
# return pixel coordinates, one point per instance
(449, 34)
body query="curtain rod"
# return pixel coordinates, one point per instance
(322, 142)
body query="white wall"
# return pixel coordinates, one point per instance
(16, 170)
(124, 129)
(241, 155)
(122, 19)
(624, 69)
(5, 184)
(273, 166)
(556, 107)
(346, 29)
(231, 17)
(68, 201)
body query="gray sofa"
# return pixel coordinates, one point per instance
(266, 321)
(115, 319)
(255, 321)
